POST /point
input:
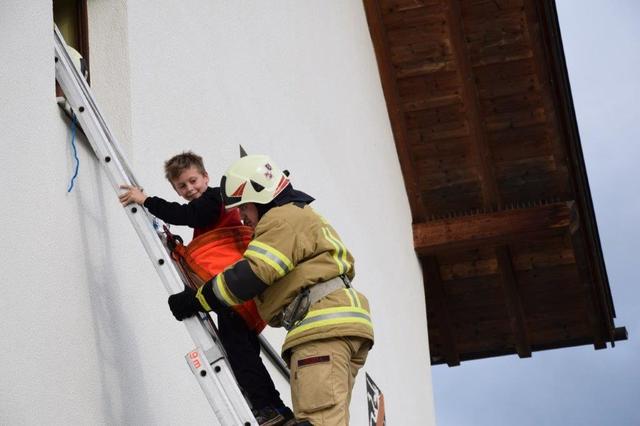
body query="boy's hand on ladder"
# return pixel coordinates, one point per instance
(132, 194)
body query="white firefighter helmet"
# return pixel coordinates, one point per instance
(252, 179)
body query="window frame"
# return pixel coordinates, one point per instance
(80, 21)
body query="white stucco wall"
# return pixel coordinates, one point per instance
(86, 334)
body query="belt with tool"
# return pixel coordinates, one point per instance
(295, 311)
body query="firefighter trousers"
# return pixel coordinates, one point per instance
(323, 373)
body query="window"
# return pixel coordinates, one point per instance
(71, 18)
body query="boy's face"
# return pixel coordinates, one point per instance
(191, 184)
(249, 214)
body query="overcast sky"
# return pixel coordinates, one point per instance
(579, 386)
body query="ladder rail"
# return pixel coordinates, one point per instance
(207, 361)
(85, 92)
(275, 358)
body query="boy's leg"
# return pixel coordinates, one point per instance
(322, 377)
(243, 348)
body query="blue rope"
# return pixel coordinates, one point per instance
(75, 152)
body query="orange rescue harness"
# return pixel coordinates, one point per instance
(209, 254)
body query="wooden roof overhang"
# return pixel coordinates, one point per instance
(481, 110)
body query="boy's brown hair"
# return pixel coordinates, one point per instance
(177, 164)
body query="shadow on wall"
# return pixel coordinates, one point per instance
(123, 391)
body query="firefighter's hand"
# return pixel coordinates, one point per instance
(184, 305)
(132, 194)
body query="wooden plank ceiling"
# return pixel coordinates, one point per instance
(480, 106)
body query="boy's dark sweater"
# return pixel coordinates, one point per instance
(203, 212)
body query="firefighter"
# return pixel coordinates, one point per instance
(299, 273)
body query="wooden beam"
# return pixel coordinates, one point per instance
(437, 295)
(481, 149)
(546, 82)
(590, 239)
(513, 302)
(595, 312)
(388, 79)
(620, 334)
(492, 229)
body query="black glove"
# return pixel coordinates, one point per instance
(184, 305)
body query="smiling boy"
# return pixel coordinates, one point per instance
(190, 180)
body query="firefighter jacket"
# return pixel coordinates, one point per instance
(293, 248)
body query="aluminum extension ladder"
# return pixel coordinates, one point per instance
(207, 361)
